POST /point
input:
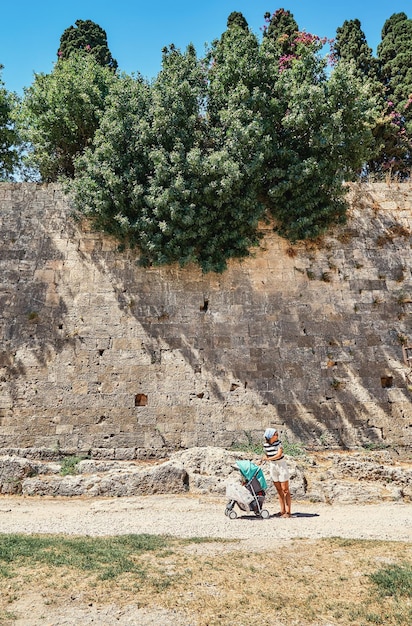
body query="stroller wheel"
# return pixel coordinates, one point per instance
(265, 514)
(232, 514)
(229, 507)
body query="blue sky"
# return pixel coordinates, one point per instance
(137, 30)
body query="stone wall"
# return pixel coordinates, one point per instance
(99, 355)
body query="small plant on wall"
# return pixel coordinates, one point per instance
(403, 340)
(33, 317)
(69, 466)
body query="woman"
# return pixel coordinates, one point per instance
(279, 472)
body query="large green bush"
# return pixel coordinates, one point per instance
(184, 168)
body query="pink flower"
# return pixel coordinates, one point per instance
(307, 38)
(285, 61)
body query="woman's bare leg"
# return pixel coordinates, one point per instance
(281, 497)
(286, 497)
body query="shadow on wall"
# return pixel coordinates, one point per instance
(32, 312)
(308, 337)
(300, 336)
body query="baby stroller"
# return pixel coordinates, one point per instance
(249, 496)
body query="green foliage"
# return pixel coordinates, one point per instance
(237, 19)
(395, 58)
(186, 177)
(393, 131)
(293, 449)
(234, 76)
(250, 447)
(393, 144)
(112, 178)
(374, 446)
(184, 168)
(159, 178)
(282, 29)
(60, 113)
(89, 38)
(69, 465)
(256, 448)
(318, 130)
(9, 155)
(394, 580)
(350, 45)
(106, 557)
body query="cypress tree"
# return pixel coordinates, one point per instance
(87, 37)
(395, 59)
(237, 19)
(350, 45)
(282, 29)
(395, 66)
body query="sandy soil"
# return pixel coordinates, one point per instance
(182, 516)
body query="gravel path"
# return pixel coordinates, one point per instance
(189, 516)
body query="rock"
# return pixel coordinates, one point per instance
(166, 478)
(210, 469)
(12, 472)
(338, 492)
(126, 481)
(210, 461)
(370, 471)
(93, 466)
(323, 478)
(298, 483)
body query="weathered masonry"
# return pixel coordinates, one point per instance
(100, 355)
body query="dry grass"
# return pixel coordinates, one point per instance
(300, 582)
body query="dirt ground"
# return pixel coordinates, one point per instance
(179, 516)
(202, 516)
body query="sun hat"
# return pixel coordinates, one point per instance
(269, 432)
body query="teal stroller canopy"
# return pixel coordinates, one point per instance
(249, 470)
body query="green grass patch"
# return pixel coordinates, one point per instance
(248, 448)
(7, 616)
(371, 446)
(293, 449)
(394, 580)
(345, 581)
(69, 465)
(108, 557)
